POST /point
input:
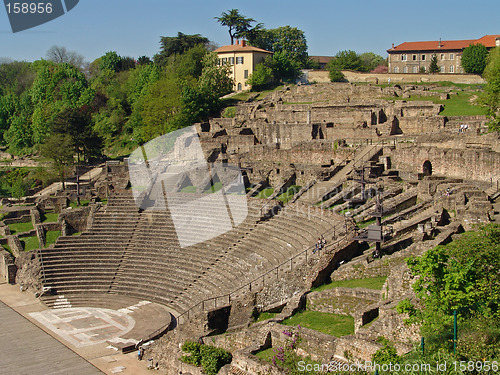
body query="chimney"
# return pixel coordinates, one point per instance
(237, 42)
(497, 41)
(243, 43)
(439, 45)
(392, 45)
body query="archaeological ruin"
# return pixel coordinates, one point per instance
(373, 177)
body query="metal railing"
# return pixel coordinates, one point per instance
(225, 299)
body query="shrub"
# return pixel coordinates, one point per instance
(209, 357)
(336, 75)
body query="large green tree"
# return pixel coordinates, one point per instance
(346, 60)
(59, 149)
(287, 40)
(434, 67)
(474, 58)
(177, 45)
(215, 78)
(236, 23)
(491, 93)
(462, 275)
(371, 60)
(76, 123)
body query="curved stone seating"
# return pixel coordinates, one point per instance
(137, 254)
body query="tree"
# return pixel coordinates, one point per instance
(433, 67)
(335, 74)
(110, 61)
(371, 60)
(177, 45)
(345, 60)
(491, 92)
(474, 59)
(143, 60)
(287, 40)
(261, 77)
(215, 78)
(76, 123)
(62, 55)
(283, 67)
(462, 275)
(237, 24)
(59, 149)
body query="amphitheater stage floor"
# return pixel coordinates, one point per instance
(72, 340)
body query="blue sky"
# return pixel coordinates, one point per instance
(133, 28)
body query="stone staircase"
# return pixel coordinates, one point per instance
(322, 190)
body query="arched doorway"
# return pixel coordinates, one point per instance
(427, 168)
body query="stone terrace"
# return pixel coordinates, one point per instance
(137, 254)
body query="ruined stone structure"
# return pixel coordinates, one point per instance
(433, 182)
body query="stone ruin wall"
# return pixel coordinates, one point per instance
(468, 163)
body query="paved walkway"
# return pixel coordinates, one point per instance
(27, 347)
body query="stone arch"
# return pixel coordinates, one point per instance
(427, 168)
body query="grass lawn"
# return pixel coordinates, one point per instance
(229, 112)
(188, 189)
(20, 227)
(266, 354)
(30, 243)
(375, 283)
(83, 203)
(7, 247)
(214, 188)
(51, 237)
(266, 193)
(331, 324)
(265, 315)
(50, 217)
(457, 105)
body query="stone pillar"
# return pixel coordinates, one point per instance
(40, 233)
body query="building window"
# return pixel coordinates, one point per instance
(231, 60)
(441, 69)
(396, 69)
(403, 57)
(405, 69)
(423, 57)
(442, 56)
(239, 60)
(414, 69)
(224, 60)
(452, 69)
(245, 73)
(452, 56)
(414, 57)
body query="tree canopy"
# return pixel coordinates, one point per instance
(177, 45)
(491, 94)
(236, 23)
(474, 59)
(462, 275)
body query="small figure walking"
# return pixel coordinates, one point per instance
(140, 353)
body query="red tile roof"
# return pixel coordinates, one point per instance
(240, 48)
(321, 59)
(487, 41)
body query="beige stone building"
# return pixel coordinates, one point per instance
(243, 60)
(414, 57)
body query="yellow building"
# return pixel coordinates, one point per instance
(243, 60)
